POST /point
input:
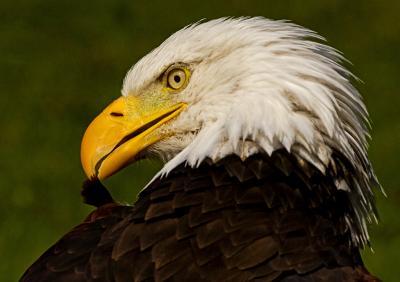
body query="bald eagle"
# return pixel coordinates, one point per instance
(266, 174)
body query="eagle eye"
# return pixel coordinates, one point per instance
(177, 78)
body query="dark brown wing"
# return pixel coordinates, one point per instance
(258, 220)
(80, 250)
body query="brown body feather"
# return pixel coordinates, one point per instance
(263, 219)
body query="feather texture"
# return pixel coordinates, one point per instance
(268, 225)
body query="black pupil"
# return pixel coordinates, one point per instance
(177, 78)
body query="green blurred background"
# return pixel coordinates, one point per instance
(63, 61)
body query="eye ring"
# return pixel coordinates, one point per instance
(176, 78)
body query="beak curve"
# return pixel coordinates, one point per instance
(120, 133)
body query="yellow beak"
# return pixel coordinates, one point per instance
(120, 132)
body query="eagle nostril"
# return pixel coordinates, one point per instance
(115, 114)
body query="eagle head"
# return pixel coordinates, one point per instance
(238, 86)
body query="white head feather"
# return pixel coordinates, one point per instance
(258, 86)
